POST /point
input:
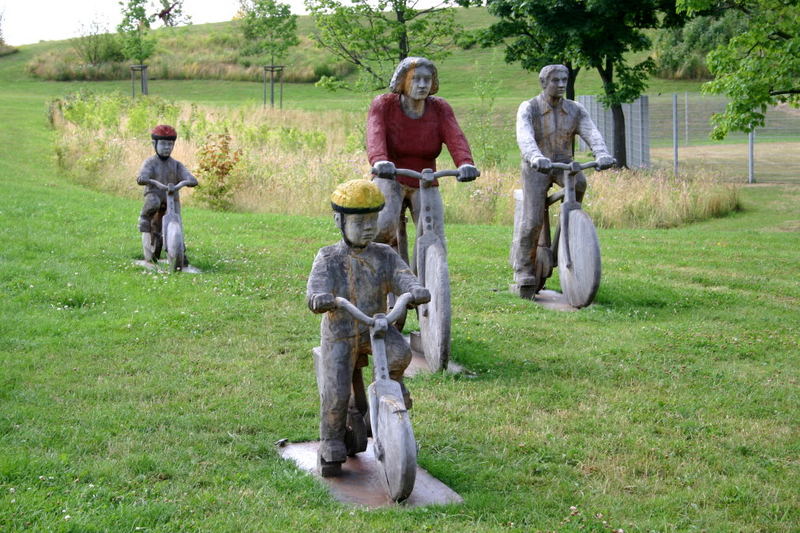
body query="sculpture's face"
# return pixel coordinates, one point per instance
(164, 147)
(360, 230)
(556, 84)
(418, 83)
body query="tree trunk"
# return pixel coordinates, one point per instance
(620, 154)
(573, 75)
(402, 39)
(607, 75)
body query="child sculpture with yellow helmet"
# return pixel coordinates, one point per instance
(364, 272)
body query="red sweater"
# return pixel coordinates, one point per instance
(414, 143)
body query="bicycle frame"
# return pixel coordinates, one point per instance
(570, 203)
(170, 217)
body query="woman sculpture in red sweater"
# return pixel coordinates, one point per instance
(406, 129)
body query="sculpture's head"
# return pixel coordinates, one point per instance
(554, 80)
(163, 140)
(356, 204)
(416, 78)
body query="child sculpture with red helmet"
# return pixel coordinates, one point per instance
(163, 169)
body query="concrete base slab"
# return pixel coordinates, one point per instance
(546, 298)
(419, 365)
(553, 300)
(360, 483)
(163, 264)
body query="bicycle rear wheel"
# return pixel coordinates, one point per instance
(434, 317)
(397, 454)
(175, 251)
(581, 279)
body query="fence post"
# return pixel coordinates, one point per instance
(751, 141)
(675, 133)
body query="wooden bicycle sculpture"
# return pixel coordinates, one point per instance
(166, 232)
(574, 247)
(383, 409)
(430, 262)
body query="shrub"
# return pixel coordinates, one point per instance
(215, 171)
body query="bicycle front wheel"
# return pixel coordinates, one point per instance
(398, 448)
(581, 279)
(434, 320)
(175, 251)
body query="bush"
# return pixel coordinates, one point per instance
(215, 171)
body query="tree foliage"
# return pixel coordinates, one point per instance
(170, 12)
(757, 68)
(374, 35)
(269, 27)
(95, 45)
(2, 39)
(134, 29)
(680, 53)
(598, 34)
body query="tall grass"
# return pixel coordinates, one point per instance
(291, 160)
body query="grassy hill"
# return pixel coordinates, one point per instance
(213, 51)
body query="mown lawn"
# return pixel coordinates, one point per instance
(132, 401)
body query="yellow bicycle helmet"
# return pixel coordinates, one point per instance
(357, 196)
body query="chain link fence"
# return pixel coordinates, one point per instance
(775, 149)
(776, 146)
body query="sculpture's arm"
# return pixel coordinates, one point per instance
(405, 281)
(186, 177)
(453, 135)
(377, 149)
(145, 175)
(525, 135)
(319, 293)
(590, 134)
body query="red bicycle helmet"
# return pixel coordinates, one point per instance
(164, 132)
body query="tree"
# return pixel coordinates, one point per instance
(757, 68)
(171, 13)
(680, 53)
(2, 40)
(374, 35)
(527, 39)
(598, 34)
(134, 28)
(95, 45)
(269, 27)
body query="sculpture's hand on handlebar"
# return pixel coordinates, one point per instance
(605, 161)
(384, 169)
(322, 302)
(542, 164)
(420, 295)
(467, 172)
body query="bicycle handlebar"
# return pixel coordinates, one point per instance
(160, 185)
(575, 166)
(399, 307)
(418, 175)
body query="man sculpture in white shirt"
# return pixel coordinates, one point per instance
(546, 129)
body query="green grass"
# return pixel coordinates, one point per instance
(136, 400)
